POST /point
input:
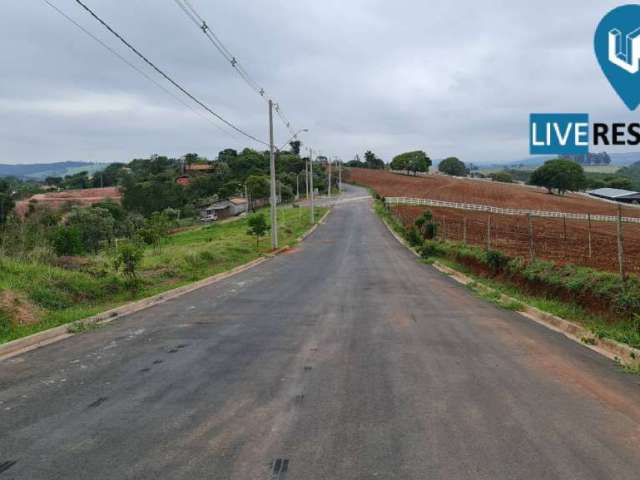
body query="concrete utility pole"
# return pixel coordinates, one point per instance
(313, 212)
(306, 178)
(329, 188)
(339, 175)
(272, 168)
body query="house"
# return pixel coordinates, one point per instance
(183, 180)
(617, 194)
(198, 167)
(223, 209)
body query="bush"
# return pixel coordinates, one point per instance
(496, 261)
(413, 237)
(425, 225)
(67, 241)
(128, 256)
(430, 248)
(503, 177)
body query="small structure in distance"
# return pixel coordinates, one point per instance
(616, 195)
(224, 209)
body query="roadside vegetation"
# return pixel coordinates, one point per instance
(601, 301)
(39, 294)
(63, 261)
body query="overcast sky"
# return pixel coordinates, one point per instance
(448, 77)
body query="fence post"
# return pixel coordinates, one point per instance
(444, 228)
(589, 230)
(464, 230)
(564, 223)
(489, 232)
(620, 243)
(532, 254)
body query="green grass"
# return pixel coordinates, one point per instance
(623, 330)
(61, 295)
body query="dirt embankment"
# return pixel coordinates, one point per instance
(57, 200)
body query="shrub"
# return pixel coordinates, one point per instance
(257, 227)
(425, 225)
(67, 241)
(496, 261)
(430, 248)
(128, 257)
(413, 237)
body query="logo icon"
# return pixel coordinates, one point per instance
(617, 46)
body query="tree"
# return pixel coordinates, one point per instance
(295, 147)
(425, 225)
(503, 177)
(53, 181)
(156, 228)
(128, 257)
(417, 161)
(6, 200)
(623, 183)
(258, 186)
(257, 227)
(95, 224)
(67, 241)
(371, 161)
(559, 174)
(453, 166)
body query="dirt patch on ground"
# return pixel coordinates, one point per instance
(19, 310)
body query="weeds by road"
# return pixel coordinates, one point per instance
(35, 295)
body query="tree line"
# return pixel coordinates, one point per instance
(153, 202)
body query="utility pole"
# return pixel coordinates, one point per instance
(313, 212)
(298, 186)
(339, 175)
(272, 168)
(329, 188)
(306, 177)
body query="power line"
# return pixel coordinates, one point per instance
(200, 22)
(166, 76)
(134, 67)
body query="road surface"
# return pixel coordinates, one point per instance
(344, 359)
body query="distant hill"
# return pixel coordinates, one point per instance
(39, 171)
(530, 163)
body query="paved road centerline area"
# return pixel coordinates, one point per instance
(344, 358)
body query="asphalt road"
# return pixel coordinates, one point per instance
(346, 359)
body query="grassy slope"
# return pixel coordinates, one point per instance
(59, 295)
(624, 331)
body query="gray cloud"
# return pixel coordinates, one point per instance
(452, 78)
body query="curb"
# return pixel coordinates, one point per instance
(616, 351)
(313, 229)
(56, 334)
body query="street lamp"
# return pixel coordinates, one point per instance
(295, 135)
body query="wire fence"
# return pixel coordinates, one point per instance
(598, 241)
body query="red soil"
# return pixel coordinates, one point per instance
(510, 233)
(57, 200)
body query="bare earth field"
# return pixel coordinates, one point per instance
(56, 200)
(509, 233)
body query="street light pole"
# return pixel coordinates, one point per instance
(272, 168)
(339, 175)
